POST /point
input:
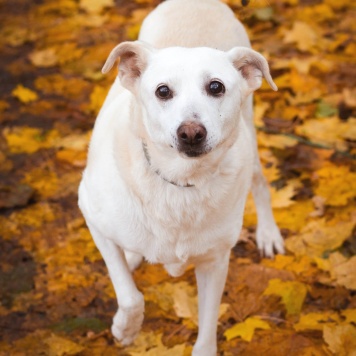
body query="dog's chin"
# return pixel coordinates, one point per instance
(191, 153)
(194, 154)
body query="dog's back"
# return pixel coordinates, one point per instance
(193, 23)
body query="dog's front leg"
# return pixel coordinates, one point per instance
(211, 277)
(128, 319)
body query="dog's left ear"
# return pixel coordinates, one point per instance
(134, 57)
(252, 66)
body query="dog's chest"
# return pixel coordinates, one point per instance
(179, 223)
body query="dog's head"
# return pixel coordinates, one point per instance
(191, 97)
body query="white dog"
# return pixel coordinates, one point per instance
(173, 155)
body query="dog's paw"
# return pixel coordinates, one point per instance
(127, 323)
(269, 240)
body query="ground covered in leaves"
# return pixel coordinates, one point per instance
(56, 297)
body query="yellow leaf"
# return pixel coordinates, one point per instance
(350, 315)
(25, 95)
(97, 98)
(275, 141)
(316, 321)
(246, 329)
(259, 112)
(295, 216)
(292, 294)
(328, 131)
(303, 35)
(59, 346)
(341, 339)
(68, 52)
(15, 36)
(336, 184)
(323, 236)
(296, 264)
(150, 344)
(319, 236)
(72, 88)
(185, 301)
(29, 139)
(44, 58)
(78, 142)
(95, 6)
(281, 198)
(344, 273)
(74, 157)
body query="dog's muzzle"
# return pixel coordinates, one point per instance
(192, 139)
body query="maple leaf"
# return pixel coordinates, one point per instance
(341, 339)
(303, 35)
(25, 95)
(246, 329)
(95, 6)
(292, 294)
(59, 346)
(335, 184)
(44, 58)
(316, 320)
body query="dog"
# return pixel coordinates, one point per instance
(173, 156)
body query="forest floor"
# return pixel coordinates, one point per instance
(56, 297)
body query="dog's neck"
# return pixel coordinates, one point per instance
(157, 171)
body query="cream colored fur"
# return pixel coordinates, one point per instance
(134, 193)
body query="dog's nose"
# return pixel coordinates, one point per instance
(191, 133)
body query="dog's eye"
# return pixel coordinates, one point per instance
(163, 92)
(216, 88)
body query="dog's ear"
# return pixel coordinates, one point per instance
(134, 57)
(252, 66)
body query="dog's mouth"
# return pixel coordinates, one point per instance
(193, 153)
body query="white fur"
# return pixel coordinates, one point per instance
(137, 205)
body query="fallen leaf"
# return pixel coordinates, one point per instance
(282, 198)
(341, 272)
(44, 58)
(292, 294)
(316, 320)
(325, 110)
(25, 95)
(337, 185)
(341, 339)
(97, 98)
(349, 315)
(327, 131)
(95, 6)
(59, 346)
(275, 141)
(318, 236)
(29, 139)
(303, 35)
(246, 329)
(150, 344)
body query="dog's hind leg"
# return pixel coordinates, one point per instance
(128, 319)
(211, 277)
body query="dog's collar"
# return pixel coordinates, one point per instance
(148, 158)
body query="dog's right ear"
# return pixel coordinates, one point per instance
(134, 57)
